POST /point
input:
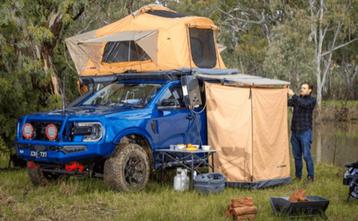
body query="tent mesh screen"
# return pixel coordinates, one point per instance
(122, 51)
(202, 47)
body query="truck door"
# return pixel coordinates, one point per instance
(174, 119)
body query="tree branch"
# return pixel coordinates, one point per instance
(355, 72)
(338, 47)
(338, 29)
(80, 12)
(313, 24)
(244, 20)
(327, 69)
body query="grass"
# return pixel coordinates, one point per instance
(88, 199)
(4, 160)
(340, 103)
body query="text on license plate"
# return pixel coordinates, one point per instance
(38, 153)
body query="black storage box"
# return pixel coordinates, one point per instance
(209, 183)
(314, 205)
(351, 179)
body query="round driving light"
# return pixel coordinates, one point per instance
(51, 132)
(27, 131)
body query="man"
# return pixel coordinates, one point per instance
(301, 128)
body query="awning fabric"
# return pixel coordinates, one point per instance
(243, 79)
(120, 36)
(88, 47)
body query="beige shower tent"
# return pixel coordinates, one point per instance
(247, 126)
(154, 38)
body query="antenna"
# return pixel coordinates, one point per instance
(63, 93)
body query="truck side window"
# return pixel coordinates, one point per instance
(174, 94)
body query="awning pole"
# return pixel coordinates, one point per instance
(129, 51)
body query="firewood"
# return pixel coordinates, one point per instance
(245, 210)
(297, 196)
(246, 217)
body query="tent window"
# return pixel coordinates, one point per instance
(165, 14)
(122, 51)
(202, 47)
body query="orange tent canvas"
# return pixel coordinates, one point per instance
(247, 126)
(154, 38)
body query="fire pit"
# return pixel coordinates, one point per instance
(312, 206)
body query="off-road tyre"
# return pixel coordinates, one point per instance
(40, 178)
(128, 169)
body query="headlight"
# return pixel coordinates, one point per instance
(27, 131)
(91, 131)
(51, 132)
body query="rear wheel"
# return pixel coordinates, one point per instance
(127, 169)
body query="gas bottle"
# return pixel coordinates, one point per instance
(179, 181)
(185, 178)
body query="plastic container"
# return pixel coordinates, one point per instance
(314, 205)
(205, 147)
(180, 147)
(209, 183)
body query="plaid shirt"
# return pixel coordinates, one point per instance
(302, 112)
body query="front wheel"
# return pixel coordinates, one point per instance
(127, 169)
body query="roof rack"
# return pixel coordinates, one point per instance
(157, 75)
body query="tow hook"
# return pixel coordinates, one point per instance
(74, 166)
(31, 165)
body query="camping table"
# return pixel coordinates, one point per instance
(191, 160)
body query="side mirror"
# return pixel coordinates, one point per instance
(168, 104)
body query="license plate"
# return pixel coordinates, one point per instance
(38, 154)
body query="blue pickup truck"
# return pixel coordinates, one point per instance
(112, 132)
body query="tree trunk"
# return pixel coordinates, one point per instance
(46, 54)
(319, 86)
(54, 83)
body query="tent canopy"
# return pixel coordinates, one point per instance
(154, 38)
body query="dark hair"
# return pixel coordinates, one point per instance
(310, 85)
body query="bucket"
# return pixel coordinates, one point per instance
(209, 183)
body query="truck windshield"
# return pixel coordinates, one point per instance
(137, 95)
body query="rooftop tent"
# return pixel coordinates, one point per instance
(253, 151)
(154, 38)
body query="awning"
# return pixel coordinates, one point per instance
(120, 36)
(78, 55)
(87, 46)
(242, 79)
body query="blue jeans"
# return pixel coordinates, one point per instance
(301, 145)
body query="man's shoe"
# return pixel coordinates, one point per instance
(310, 179)
(297, 178)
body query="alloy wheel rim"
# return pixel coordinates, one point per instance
(134, 171)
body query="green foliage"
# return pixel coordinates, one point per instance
(289, 55)
(41, 34)
(341, 104)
